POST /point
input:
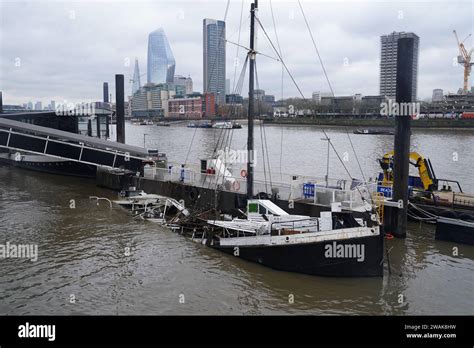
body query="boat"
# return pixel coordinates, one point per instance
(455, 230)
(334, 244)
(374, 131)
(162, 124)
(226, 125)
(146, 123)
(199, 125)
(222, 125)
(151, 207)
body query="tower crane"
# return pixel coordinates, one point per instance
(464, 58)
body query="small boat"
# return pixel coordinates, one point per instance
(146, 123)
(334, 244)
(162, 124)
(222, 125)
(200, 125)
(374, 131)
(226, 125)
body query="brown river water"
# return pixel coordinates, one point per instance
(94, 260)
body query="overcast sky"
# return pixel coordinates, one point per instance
(65, 50)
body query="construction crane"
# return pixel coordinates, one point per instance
(464, 58)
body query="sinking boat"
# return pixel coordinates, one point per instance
(334, 244)
(152, 207)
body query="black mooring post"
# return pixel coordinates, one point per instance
(98, 126)
(107, 125)
(401, 163)
(1, 103)
(120, 108)
(89, 127)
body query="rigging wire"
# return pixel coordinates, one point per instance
(238, 41)
(304, 98)
(263, 139)
(282, 79)
(316, 47)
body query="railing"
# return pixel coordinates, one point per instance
(325, 192)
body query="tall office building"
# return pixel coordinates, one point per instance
(161, 63)
(214, 58)
(136, 78)
(38, 106)
(106, 92)
(388, 63)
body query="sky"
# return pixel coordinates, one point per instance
(65, 50)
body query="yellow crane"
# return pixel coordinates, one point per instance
(464, 58)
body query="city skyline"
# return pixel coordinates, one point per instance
(348, 43)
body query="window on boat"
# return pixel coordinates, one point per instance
(253, 208)
(261, 210)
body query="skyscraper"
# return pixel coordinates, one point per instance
(106, 92)
(214, 58)
(161, 63)
(136, 78)
(388, 63)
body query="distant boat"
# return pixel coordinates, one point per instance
(163, 124)
(222, 125)
(374, 131)
(200, 125)
(146, 123)
(227, 125)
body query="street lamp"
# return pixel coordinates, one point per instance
(144, 140)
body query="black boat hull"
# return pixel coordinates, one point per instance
(455, 231)
(310, 258)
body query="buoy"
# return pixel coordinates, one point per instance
(389, 236)
(243, 173)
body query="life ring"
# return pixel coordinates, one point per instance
(236, 186)
(243, 173)
(389, 236)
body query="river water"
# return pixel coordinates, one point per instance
(94, 260)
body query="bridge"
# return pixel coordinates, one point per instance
(34, 139)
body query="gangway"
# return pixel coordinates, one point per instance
(25, 137)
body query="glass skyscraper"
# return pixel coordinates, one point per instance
(136, 78)
(214, 58)
(161, 63)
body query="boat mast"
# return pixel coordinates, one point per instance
(250, 150)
